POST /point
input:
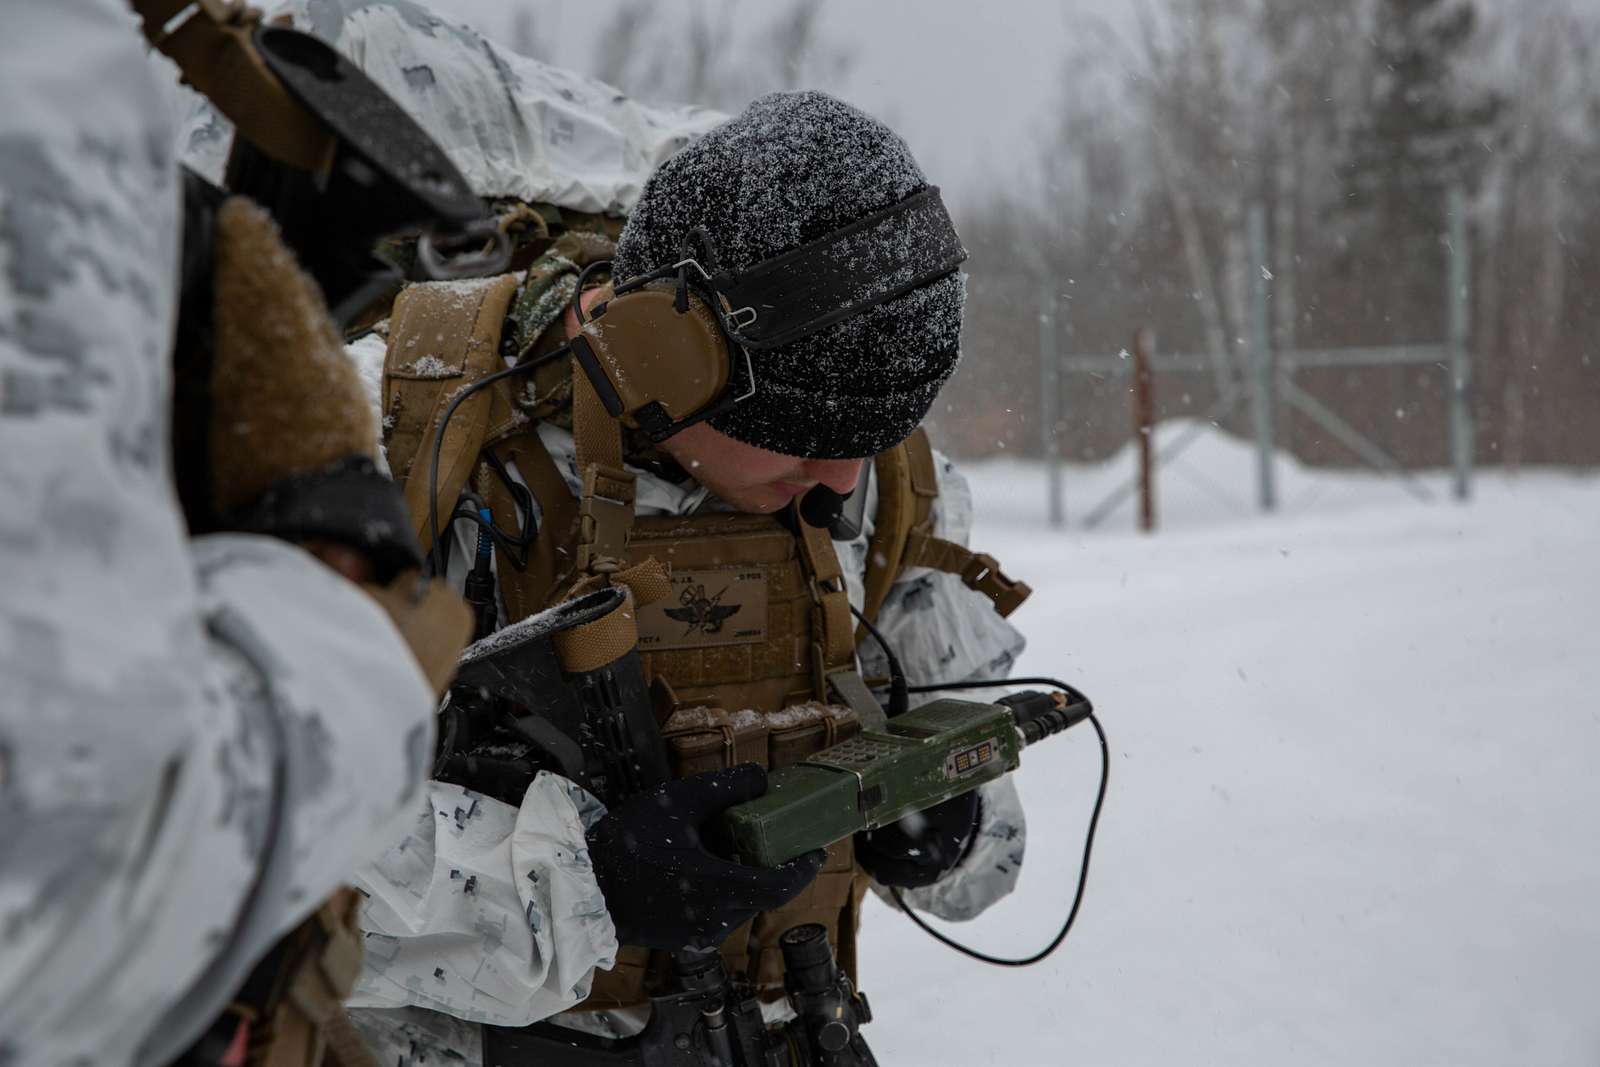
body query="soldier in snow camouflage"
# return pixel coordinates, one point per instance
(444, 905)
(177, 716)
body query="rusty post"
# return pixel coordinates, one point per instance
(1144, 423)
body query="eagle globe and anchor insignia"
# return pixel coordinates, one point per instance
(723, 606)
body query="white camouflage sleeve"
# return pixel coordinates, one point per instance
(196, 742)
(485, 912)
(944, 632)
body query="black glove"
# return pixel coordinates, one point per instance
(663, 886)
(921, 848)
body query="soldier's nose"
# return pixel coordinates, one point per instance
(840, 475)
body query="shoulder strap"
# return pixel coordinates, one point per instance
(443, 337)
(978, 571)
(605, 505)
(907, 486)
(551, 562)
(902, 534)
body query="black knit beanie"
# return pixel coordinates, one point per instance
(792, 168)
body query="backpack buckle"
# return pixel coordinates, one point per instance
(983, 574)
(605, 517)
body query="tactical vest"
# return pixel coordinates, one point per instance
(744, 625)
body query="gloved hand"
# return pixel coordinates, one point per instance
(923, 847)
(663, 886)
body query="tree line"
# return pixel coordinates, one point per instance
(1346, 121)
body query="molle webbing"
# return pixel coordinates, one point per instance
(745, 701)
(777, 665)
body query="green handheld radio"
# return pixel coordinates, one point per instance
(916, 760)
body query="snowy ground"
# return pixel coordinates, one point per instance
(1355, 802)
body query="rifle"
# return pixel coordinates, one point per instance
(517, 709)
(706, 1018)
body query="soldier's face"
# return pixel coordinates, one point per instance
(744, 476)
(750, 478)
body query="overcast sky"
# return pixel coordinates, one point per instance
(962, 82)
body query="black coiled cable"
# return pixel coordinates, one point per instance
(898, 701)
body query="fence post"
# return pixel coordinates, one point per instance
(1264, 394)
(1144, 423)
(1459, 311)
(1050, 400)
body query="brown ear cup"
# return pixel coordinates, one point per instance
(639, 351)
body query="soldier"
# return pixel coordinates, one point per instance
(804, 234)
(181, 720)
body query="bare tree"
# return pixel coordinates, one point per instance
(1192, 129)
(619, 56)
(525, 37)
(694, 57)
(805, 55)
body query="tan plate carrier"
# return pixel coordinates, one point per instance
(745, 627)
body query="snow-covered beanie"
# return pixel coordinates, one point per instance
(792, 168)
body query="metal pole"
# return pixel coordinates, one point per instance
(1144, 424)
(1050, 401)
(1459, 310)
(1264, 395)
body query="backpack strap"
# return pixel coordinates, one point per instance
(443, 337)
(907, 486)
(978, 571)
(551, 561)
(605, 504)
(902, 535)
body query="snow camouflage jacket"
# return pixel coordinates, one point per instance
(489, 914)
(174, 715)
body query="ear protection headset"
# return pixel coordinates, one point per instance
(660, 352)
(672, 347)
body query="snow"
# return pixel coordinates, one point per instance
(430, 367)
(1354, 808)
